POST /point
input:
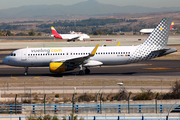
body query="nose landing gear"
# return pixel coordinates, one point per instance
(26, 71)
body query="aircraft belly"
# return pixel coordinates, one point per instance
(113, 60)
(34, 62)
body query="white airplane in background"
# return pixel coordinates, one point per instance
(149, 31)
(69, 37)
(63, 59)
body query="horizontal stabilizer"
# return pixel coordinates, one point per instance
(165, 51)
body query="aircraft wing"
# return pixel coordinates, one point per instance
(71, 38)
(77, 60)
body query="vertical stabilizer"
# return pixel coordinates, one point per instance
(155, 42)
(172, 25)
(55, 34)
(159, 37)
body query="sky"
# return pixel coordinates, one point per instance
(4, 4)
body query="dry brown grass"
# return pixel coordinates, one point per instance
(50, 82)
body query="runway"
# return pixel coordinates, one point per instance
(132, 76)
(145, 68)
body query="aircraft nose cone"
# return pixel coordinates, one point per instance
(4, 60)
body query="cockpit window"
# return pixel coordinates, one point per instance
(12, 54)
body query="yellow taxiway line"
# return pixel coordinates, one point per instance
(36, 77)
(158, 68)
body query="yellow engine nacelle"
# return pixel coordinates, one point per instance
(59, 67)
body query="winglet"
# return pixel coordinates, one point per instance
(94, 51)
(118, 43)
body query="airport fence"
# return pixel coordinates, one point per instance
(108, 117)
(87, 108)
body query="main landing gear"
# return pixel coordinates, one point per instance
(82, 72)
(87, 71)
(26, 71)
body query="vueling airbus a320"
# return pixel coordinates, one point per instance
(69, 58)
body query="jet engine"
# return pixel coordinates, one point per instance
(59, 67)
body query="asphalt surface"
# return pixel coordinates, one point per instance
(145, 68)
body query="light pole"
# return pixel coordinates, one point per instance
(120, 84)
(167, 118)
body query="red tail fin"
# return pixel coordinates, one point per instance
(55, 34)
(172, 24)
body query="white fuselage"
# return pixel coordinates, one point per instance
(74, 36)
(41, 57)
(147, 31)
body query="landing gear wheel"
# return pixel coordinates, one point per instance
(87, 71)
(81, 72)
(26, 71)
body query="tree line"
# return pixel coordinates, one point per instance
(8, 33)
(89, 26)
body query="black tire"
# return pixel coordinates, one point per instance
(81, 72)
(87, 71)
